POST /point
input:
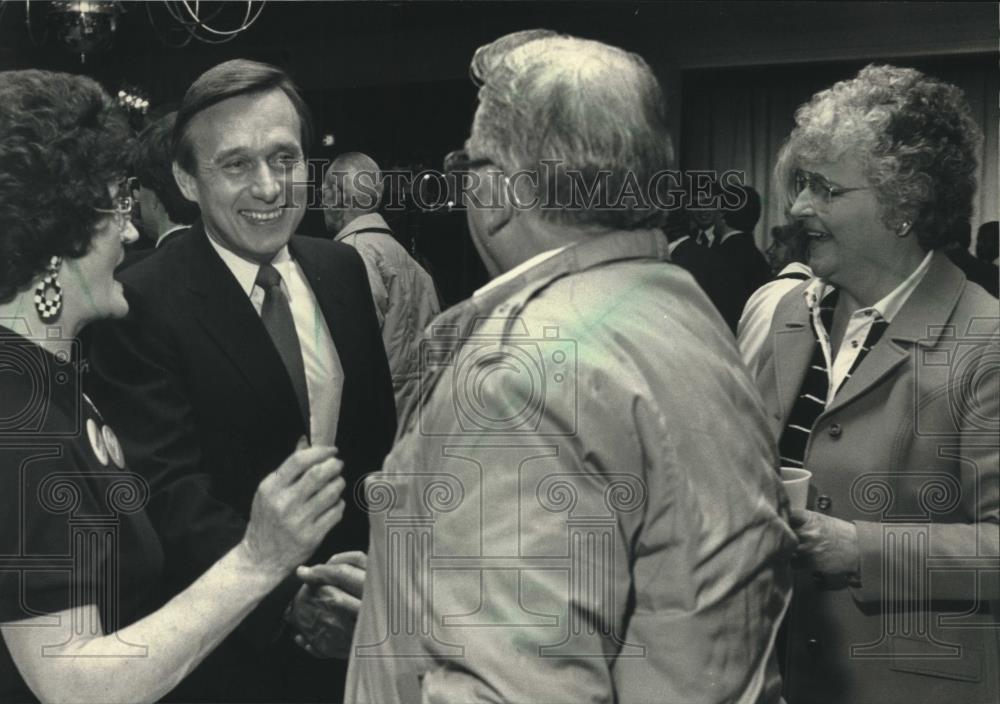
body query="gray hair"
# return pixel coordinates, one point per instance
(916, 140)
(594, 110)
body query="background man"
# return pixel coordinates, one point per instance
(166, 213)
(975, 269)
(240, 340)
(588, 482)
(404, 295)
(987, 247)
(740, 264)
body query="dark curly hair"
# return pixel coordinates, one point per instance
(915, 136)
(62, 140)
(151, 159)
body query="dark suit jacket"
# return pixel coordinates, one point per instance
(138, 251)
(743, 269)
(701, 264)
(976, 270)
(205, 409)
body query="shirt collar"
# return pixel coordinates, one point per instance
(517, 270)
(796, 268)
(246, 271)
(167, 233)
(671, 246)
(887, 307)
(362, 222)
(519, 287)
(890, 306)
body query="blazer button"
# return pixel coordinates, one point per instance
(812, 644)
(823, 502)
(835, 430)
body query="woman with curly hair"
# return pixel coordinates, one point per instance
(881, 378)
(79, 560)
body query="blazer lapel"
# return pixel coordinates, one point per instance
(229, 318)
(919, 322)
(329, 292)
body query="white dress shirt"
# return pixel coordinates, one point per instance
(164, 235)
(518, 270)
(858, 324)
(324, 374)
(671, 246)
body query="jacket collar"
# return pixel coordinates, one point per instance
(920, 321)
(514, 294)
(495, 311)
(362, 222)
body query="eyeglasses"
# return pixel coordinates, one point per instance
(122, 203)
(820, 190)
(459, 161)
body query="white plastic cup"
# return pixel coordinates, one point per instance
(796, 483)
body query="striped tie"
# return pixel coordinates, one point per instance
(812, 396)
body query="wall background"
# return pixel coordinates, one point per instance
(392, 78)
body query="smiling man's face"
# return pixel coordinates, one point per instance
(250, 173)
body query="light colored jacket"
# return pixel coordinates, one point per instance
(755, 322)
(583, 504)
(907, 451)
(404, 294)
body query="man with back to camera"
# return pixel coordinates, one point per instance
(586, 487)
(241, 339)
(404, 294)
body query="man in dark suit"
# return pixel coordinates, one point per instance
(165, 212)
(976, 270)
(739, 262)
(686, 253)
(242, 339)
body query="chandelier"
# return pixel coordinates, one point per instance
(89, 26)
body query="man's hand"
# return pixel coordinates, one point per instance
(826, 545)
(326, 608)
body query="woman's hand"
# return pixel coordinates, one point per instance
(826, 545)
(294, 508)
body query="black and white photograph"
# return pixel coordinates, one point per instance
(481, 351)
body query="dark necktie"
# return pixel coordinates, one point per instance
(702, 239)
(277, 317)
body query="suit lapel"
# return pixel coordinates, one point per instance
(919, 322)
(229, 318)
(329, 292)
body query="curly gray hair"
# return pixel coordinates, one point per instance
(915, 137)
